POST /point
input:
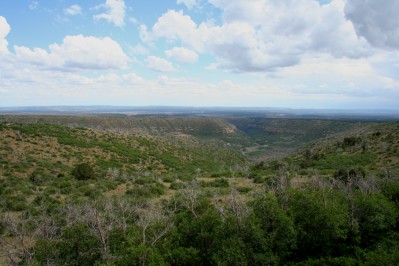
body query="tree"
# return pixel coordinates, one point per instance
(376, 216)
(78, 246)
(321, 221)
(276, 225)
(194, 238)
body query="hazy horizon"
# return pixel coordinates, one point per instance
(196, 107)
(380, 114)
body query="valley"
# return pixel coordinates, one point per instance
(171, 187)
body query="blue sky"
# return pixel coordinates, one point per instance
(266, 53)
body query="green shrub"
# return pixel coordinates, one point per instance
(36, 177)
(168, 179)
(220, 182)
(15, 203)
(144, 180)
(176, 186)
(65, 187)
(83, 171)
(350, 141)
(244, 190)
(343, 174)
(157, 189)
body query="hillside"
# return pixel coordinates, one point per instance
(177, 191)
(129, 151)
(374, 149)
(258, 138)
(275, 138)
(367, 150)
(41, 155)
(196, 126)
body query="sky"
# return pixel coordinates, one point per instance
(339, 54)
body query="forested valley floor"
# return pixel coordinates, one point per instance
(96, 190)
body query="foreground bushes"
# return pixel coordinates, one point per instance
(326, 223)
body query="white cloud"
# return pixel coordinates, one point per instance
(37, 56)
(188, 3)
(4, 31)
(375, 20)
(115, 12)
(159, 64)
(172, 25)
(263, 35)
(182, 55)
(236, 45)
(73, 10)
(76, 52)
(91, 52)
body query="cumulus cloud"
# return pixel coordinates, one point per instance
(263, 35)
(234, 44)
(159, 64)
(115, 12)
(172, 25)
(182, 55)
(73, 10)
(4, 31)
(188, 3)
(76, 52)
(375, 20)
(91, 52)
(37, 56)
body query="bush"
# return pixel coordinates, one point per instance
(344, 174)
(256, 177)
(221, 182)
(83, 171)
(278, 165)
(36, 177)
(15, 203)
(168, 179)
(350, 141)
(176, 186)
(244, 190)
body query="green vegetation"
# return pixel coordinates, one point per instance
(82, 193)
(83, 171)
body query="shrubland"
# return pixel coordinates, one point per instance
(73, 195)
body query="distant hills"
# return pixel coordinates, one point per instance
(256, 137)
(363, 114)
